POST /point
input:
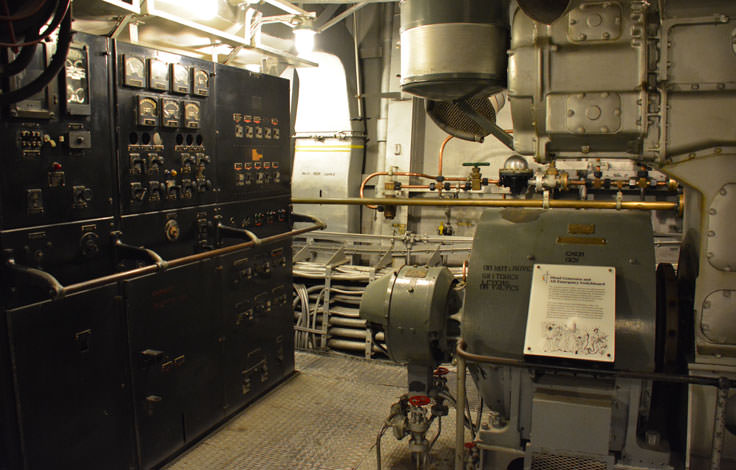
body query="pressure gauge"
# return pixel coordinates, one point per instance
(147, 111)
(191, 115)
(134, 71)
(158, 75)
(171, 113)
(179, 79)
(201, 82)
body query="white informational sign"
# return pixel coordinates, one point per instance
(572, 312)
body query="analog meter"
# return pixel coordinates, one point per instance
(201, 82)
(158, 75)
(171, 113)
(134, 71)
(180, 79)
(147, 111)
(191, 115)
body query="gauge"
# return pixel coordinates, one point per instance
(201, 82)
(179, 79)
(77, 84)
(134, 71)
(191, 115)
(171, 113)
(158, 75)
(147, 111)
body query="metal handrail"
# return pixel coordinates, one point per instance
(58, 291)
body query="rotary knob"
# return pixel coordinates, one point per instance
(90, 244)
(171, 230)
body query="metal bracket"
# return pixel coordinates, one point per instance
(233, 232)
(138, 253)
(35, 277)
(338, 258)
(436, 258)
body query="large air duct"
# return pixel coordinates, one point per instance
(453, 49)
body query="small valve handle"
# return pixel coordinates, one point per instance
(441, 371)
(476, 164)
(419, 400)
(469, 445)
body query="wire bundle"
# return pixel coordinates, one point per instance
(24, 26)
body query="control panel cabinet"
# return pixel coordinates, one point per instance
(72, 383)
(132, 148)
(173, 325)
(58, 144)
(165, 114)
(254, 148)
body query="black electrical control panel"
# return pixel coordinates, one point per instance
(57, 144)
(253, 145)
(165, 113)
(133, 158)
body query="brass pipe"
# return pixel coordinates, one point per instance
(538, 203)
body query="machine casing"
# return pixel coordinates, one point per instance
(562, 415)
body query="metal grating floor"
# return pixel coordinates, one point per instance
(326, 417)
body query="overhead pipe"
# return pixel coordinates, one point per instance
(532, 203)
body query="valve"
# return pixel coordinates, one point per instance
(475, 176)
(419, 400)
(441, 371)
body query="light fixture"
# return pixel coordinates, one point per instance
(304, 40)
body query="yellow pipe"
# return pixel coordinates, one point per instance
(538, 203)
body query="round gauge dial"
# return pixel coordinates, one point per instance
(179, 78)
(181, 74)
(147, 107)
(147, 111)
(75, 95)
(192, 112)
(201, 82)
(158, 77)
(191, 115)
(134, 71)
(171, 110)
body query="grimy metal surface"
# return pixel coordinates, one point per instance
(326, 418)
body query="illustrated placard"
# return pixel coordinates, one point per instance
(572, 312)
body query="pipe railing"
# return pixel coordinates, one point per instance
(58, 291)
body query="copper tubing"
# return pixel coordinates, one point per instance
(397, 173)
(538, 203)
(439, 158)
(100, 281)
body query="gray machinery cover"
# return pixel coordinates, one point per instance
(509, 242)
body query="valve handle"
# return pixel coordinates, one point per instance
(469, 445)
(441, 371)
(419, 400)
(476, 164)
